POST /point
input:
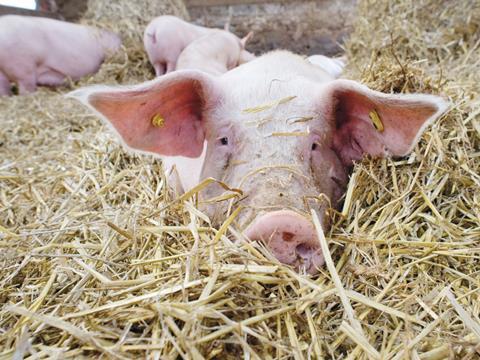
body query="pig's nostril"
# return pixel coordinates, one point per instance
(287, 236)
(303, 250)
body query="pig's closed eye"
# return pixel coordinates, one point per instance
(337, 181)
(223, 141)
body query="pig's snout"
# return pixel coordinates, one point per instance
(291, 238)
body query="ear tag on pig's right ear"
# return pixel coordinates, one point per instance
(158, 121)
(376, 121)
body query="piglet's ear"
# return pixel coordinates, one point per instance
(370, 122)
(163, 116)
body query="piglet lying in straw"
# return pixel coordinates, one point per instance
(215, 53)
(167, 36)
(38, 51)
(280, 129)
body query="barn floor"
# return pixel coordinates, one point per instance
(302, 26)
(100, 259)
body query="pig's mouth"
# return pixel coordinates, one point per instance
(291, 238)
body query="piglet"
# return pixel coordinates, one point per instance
(39, 51)
(165, 38)
(215, 53)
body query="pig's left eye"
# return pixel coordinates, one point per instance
(224, 141)
(314, 146)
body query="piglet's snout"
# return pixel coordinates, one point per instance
(291, 238)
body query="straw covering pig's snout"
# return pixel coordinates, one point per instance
(291, 238)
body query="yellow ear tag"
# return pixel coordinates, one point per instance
(376, 121)
(158, 121)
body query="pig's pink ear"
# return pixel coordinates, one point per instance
(163, 116)
(378, 124)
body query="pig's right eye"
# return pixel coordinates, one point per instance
(224, 141)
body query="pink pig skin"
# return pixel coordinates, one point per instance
(165, 38)
(215, 53)
(39, 51)
(334, 66)
(241, 115)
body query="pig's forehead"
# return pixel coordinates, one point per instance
(267, 112)
(275, 65)
(273, 77)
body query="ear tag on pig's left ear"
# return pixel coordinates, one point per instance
(158, 121)
(376, 121)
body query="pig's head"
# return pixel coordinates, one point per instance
(278, 128)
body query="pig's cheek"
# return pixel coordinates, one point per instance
(329, 174)
(205, 206)
(207, 209)
(216, 169)
(339, 177)
(222, 158)
(218, 152)
(320, 169)
(337, 192)
(215, 212)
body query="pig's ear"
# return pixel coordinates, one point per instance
(246, 39)
(163, 116)
(378, 124)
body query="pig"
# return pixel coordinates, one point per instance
(282, 130)
(166, 37)
(334, 66)
(39, 51)
(215, 53)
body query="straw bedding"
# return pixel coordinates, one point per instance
(93, 263)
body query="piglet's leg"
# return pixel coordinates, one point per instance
(170, 66)
(26, 80)
(27, 83)
(159, 69)
(5, 86)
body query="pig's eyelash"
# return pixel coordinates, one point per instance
(337, 181)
